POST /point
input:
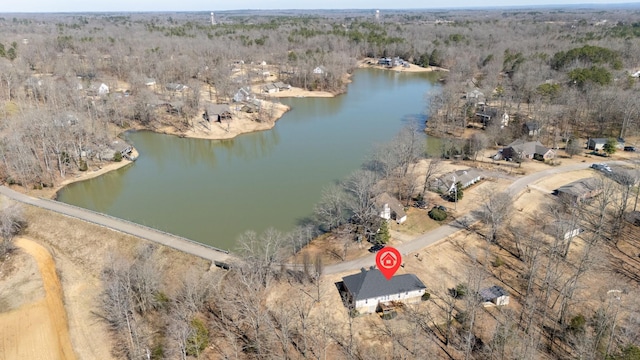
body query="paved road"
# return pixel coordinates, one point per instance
(213, 254)
(444, 231)
(160, 237)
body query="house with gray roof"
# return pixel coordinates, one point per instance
(494, 296)
(531, 128)
(367, 289)
(217, 112)
(580, 190)
(521, 149)
(390, 208)
(447, 183)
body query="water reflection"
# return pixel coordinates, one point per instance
(212, 191)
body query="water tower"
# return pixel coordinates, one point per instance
(213, 19)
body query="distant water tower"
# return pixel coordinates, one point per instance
(213, 19)
(377, 15)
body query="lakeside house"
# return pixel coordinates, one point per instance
(242, 95)
(580, 190)
(563, 229)
(447, 183)
(270, 88)
(494, 296)
(486, 114)
(367, 290)
(521, 149)
(282, 86)
(390, 208)
(217, 112)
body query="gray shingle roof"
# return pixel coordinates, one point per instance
(580, 187)
(393, 203)
(492, 293)
(372, 284)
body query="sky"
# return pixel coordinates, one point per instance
(219, 5)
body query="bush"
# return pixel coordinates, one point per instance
(577, 323)
(437, 214)
(199, 338)
(117, 157)
(426, 296)
(460, 291)
(83, 165)
(497, 262)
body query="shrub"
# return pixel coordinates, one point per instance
(437, 214)
(199, 338)
(83, 165)
(117, 157)
(426, 296)
(577, 323)
(460, 291)
(497, 262)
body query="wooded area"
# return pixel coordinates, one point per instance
(567, 69)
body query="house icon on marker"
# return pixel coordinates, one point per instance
(388, 260)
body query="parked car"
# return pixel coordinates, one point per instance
(629, 148)
(376, 248)
(440, 207)
(601, 167)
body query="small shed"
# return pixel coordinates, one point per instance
(494, 296)
(531, 128)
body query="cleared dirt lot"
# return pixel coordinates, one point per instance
(37, 330)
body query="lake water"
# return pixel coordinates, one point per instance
(212, 191)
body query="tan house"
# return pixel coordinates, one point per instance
(390, 208)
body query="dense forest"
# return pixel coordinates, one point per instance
(571, 71)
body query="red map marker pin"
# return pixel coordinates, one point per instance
(388, 260)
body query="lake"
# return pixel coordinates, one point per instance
(212, 191)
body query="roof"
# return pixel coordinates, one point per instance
(371, 284)
(580, 187)
(269, 87)
(599, 140)
(120, 145)
(528, 148)
(175, 87)
(217, 109)
(492, 293)
(393, 203)
(462, 176)
(281, 85)
(532, 125)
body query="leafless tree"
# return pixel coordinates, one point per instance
(496, 210)
(12, 221)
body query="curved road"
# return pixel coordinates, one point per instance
(444, 231)
(179, 243)
(213, 254)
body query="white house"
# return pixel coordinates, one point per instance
(270, 88)
(494, 296)
(103, 89)
(242, 95)
(367, 289)
(466, 178)
(320, 70)
(390, 208)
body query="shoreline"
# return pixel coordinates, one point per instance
(372, 63)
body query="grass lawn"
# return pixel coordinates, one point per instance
(418, 222)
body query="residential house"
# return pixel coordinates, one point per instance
(487, 114)
(367, 290)
(563, 229)
(117, 146)
(390, 208)
(217, 113)
(494, 296)
(636, 74)
(598, 143)
(447, 183)
(175, 87)
(320, 70)
(624, 175)
(270, 88)
(242, 95)
(476, 97)
(282, 86)
(580, 190)
(531, 128)
(384, 61)
(149, 81)
(521, 149)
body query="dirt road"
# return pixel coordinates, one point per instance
(38, 330)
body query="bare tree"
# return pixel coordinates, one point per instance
(495, 211)
(12, 221)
